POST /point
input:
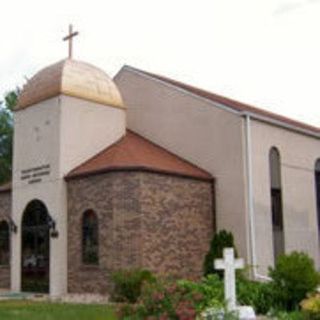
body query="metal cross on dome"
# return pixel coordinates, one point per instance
(69, 38)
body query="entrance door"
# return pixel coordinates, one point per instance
(35, 255)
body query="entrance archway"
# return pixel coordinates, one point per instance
(35, 248)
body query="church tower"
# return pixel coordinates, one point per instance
(66, 113)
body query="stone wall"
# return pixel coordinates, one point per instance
(5, 211)
(177, 224)
(160, 222)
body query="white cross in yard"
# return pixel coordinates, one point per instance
(229, 264)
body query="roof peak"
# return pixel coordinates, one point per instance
(133, 152)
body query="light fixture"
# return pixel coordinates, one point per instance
(52, 227)
(13, 226)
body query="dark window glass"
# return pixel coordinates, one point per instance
(4, 243)
(276, 202)
(90, 243)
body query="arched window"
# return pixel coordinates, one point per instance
(90, 243)
(276, 202)
(4, 243)
(317, 181)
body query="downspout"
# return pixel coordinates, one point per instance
(251, 231)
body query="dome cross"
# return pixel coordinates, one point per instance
(69, 38)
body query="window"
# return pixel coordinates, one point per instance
(276, 202)
(90, 243)
(317, 181)
(4, 243)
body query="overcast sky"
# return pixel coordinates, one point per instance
(263, 52)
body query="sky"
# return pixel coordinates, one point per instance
(261, 52)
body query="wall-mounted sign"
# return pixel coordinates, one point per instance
(34, 175)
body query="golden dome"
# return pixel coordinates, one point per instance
(72, 78)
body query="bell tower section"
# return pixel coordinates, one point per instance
(67, 113)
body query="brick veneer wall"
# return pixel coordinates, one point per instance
(160, 222)
(177, 224)
(5, 212)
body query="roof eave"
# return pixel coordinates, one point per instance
(281, 124)
(85, 174)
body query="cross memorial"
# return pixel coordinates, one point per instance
(69, 38)
(229, 264)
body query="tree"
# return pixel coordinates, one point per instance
(222, 239)
(6, 134)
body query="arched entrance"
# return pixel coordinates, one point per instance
(35, 254)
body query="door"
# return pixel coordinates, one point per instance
(35, 249)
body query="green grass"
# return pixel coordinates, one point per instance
(29, 310)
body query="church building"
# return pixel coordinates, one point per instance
(140, 171)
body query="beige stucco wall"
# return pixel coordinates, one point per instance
(298, 156)
(37, 143)
(61, 133)
(87, 128)
(196, 130)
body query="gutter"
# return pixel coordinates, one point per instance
(281, 124)
(251, 232)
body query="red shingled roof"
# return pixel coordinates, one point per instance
(133, 152)
(233, 104)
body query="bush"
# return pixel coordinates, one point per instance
(294, 276)
(311, 307)
(283, 315)
(128, 284)
(222, 239)
(166, 298)
(259, 295)
(210, 288)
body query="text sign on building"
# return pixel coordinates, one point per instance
(34, 175)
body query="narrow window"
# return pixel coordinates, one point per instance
(276, 202)
(90, 243)
(4, 243)
(317, 181)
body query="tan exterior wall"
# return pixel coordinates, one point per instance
(155, 221)
(59, 133)
(37, 143)
(298, 156)
(5, 212)
(87, 128)
(199, 131)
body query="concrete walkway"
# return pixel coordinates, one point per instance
(67, 298)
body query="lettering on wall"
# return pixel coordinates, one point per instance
(35, 175)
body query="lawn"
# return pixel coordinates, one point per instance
(28, 310)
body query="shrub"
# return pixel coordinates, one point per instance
(128, 284)
(222, 239)
(210, 288)
(283, 315)
(166, 298)
(294, 276)
(311, 307)
(259, 295)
